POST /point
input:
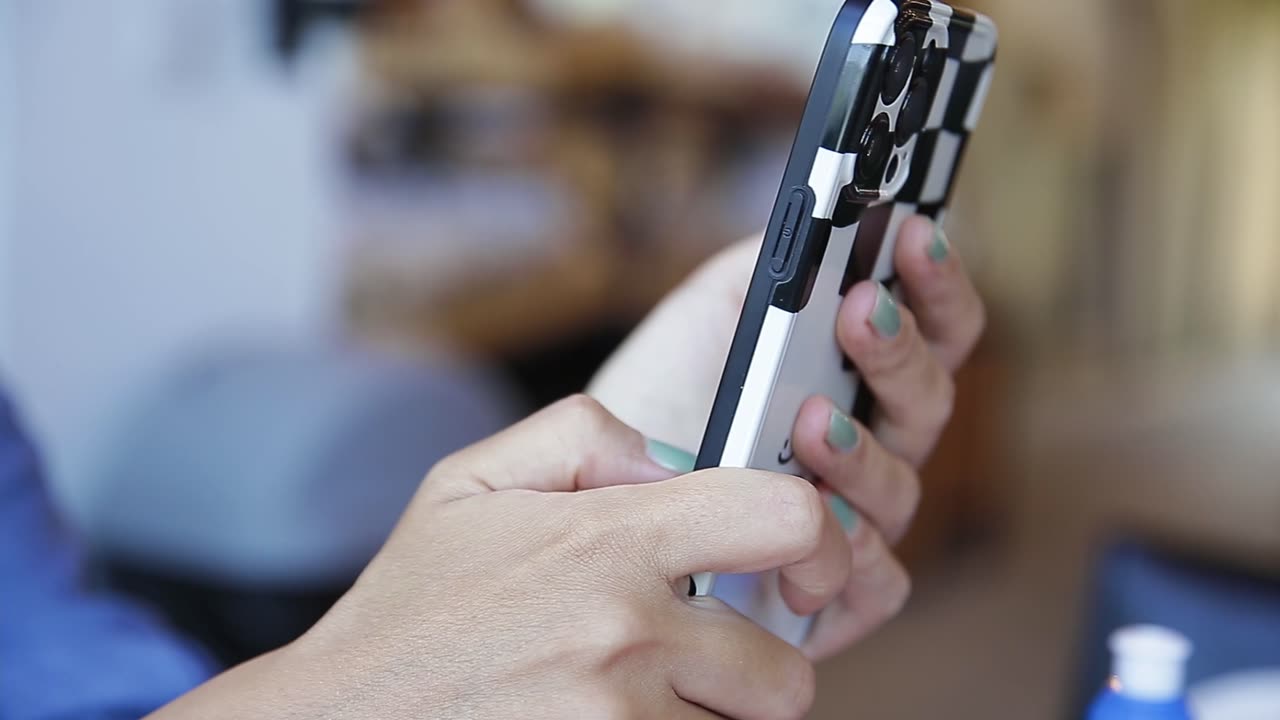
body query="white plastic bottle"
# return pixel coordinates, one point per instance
(1148, 675)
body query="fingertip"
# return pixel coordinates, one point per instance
(876, 594)
(874, 329)
(798, 507)
(923, 248)
(801, 601)
(824, 435)
(811, 422)
(861, 299)
(950, 313)
(854, 321)
(812, 584)
(917, 232)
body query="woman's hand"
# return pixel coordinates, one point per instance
(663, 382)
(539, 574)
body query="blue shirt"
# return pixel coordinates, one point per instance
(65, 652)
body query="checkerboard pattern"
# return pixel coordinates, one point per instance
(956, 59)
(856, 227)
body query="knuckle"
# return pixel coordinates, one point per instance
(980, 320)
(616, 636)
(574, 535)
(936, 411)
(899, 599)
(970, 326)
(584, 411)
(607, 704)
(895, 356)
(902, 501)
(891, 596)
(590, 538)
(942, 295)
(451, 464)
(868, 552)
(448, 469)
(912, 491)
(948, 397)
(800, 687)
(945, 402)
(892, 488)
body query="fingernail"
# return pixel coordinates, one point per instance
(845, 513)
(940, 248)
(842, 434)
(669, 456)
(885, 317)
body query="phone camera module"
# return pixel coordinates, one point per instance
(901, 61)
(891, 173)
(877, 146)
(932, 61)
(915, 111)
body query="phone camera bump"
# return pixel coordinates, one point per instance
(877, 146)
(901, 61)
(915, 111)
(932, 61)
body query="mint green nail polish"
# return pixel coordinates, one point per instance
(885, 317)
(842, 434)
(845, 513)
(669, 456)
(940, 248)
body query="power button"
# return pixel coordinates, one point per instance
(785, 242)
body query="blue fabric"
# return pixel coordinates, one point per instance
(66, 652)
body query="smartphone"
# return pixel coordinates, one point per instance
(897, 92)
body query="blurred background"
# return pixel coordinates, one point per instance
(263, 261)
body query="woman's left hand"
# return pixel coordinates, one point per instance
(663, 380)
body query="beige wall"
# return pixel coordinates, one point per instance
(1123, 187)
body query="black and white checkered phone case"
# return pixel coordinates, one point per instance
(898, 90)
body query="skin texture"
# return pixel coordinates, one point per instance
(663, 380)
(537, 574)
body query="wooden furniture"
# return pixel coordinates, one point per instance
(638, 145)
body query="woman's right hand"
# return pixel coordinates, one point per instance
(540, 574)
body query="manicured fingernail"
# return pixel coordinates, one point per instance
(940, 248)
(845, 513)
(842, 434)
(669, 456)
(885, 317)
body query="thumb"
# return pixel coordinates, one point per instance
(575, 444)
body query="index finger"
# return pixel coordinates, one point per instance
(729, 520)
(947, 307)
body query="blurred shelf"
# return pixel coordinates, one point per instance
(643, 143)
(440, 46)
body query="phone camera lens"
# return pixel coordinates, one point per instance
(877, 145)
(892, 172)
(914, 113)
(931, 61)
(901, 61)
